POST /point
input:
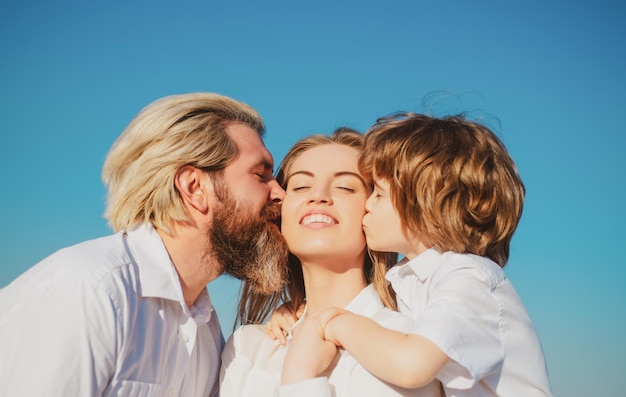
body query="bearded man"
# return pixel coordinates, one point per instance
(191, 195)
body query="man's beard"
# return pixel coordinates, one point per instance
(248, 245)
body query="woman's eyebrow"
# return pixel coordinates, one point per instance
(303, 172)
(350, 173)
(307, 173)
(336, 174)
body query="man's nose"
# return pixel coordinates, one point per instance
(277, 193)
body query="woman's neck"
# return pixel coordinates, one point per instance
(326, 286)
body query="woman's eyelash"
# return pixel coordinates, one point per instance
(304, 187)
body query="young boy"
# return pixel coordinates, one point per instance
(448, 197)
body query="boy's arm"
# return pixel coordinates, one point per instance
(408, 361)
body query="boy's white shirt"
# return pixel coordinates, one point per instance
(466, 306)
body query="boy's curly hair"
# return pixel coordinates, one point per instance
(451, 180)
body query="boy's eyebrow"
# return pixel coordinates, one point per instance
(378, 186)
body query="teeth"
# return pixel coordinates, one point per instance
(318, 218)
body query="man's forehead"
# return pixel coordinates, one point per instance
(250, 146)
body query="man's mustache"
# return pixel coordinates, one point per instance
(272, 213)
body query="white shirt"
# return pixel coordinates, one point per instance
(466, 306)
(252, 363)
(107, 318)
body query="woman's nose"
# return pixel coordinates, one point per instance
(320, 195)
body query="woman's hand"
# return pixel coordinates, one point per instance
(280, 323)
(309, 354)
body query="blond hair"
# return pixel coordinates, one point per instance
(169, 133)
(254, 308)
(451, 180)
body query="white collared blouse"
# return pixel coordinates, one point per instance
(252, 363)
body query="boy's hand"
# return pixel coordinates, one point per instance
(309, 354)
(323, 318)
(280, 323)
(330, 326)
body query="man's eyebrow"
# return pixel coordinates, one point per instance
(266, 164)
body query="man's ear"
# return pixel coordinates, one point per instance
(191, 184)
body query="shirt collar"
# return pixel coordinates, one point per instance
(202, 308)
(367, 303)
(157, 276)
(422, 266)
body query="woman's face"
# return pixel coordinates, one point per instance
(323, 209)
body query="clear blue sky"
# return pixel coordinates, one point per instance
(73, 74)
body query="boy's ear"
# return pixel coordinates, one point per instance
(191, 183)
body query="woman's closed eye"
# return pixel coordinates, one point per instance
(300, 188)
(349, 184)
(347, 189)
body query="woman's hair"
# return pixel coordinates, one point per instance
(254, 308)
(171, 132)
(451, 180)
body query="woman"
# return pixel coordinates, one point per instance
(329, 266)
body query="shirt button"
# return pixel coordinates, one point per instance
(184, 338)
(171, 392)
